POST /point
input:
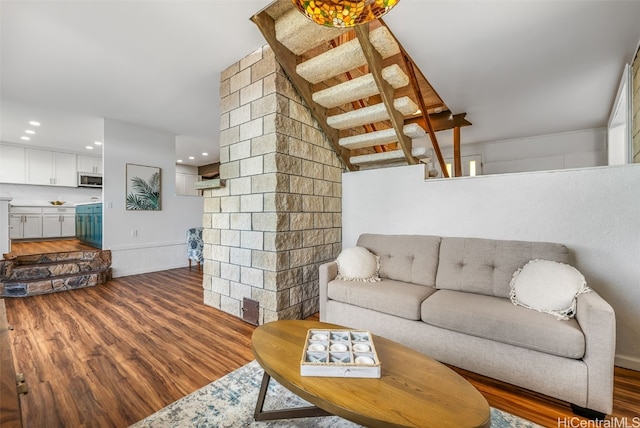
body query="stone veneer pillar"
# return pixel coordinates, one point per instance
(279, 216)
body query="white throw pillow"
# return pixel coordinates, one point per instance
(358, 264)
(549, 287)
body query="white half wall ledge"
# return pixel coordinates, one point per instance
(593, 211)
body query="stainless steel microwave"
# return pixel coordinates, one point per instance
(89, 179)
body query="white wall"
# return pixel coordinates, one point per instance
(579, 149)
(160, 236)
(595, 212)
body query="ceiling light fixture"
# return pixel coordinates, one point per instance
(34, 123)
(24, 137)
(29, 131)
(343, 13)
(191, 157)
(89, 147)
(179, 160)
(97, 143)
(205, 154)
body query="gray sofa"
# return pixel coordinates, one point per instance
(449, 298)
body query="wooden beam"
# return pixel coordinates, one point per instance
(425, 115)
(386, 90)
(441, 121)
(287, 60)
(457, 158)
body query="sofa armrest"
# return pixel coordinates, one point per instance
(328, 272)
(598, 323)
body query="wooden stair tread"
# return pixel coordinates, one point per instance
(371, 114)
(359, 88)
(393, 156)
(381, 137)
(346, 57)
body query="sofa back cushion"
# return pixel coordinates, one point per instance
(407, 258)
(486, 266)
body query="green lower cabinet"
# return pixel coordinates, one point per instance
(89, 224)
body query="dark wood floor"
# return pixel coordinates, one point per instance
(110, 355)
(20, 248)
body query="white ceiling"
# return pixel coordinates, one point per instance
(517, 68)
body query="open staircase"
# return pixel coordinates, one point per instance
(28, 275)
(362, 88)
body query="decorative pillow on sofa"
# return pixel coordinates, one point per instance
(549, 287)
(358, 264)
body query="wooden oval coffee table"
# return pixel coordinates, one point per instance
(413, 391)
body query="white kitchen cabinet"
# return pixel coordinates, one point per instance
(54, 225)
(38, 222)
(89, 164)
(65, 173)
(58, 222)
(12, 164)
(45, 167)
(23, 226)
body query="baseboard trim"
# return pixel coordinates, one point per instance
(146, 245)
(628, 362)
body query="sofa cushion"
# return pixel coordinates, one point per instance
(397, 298)
(358, 264)
(407, 258)
(486, 266)
(498, 319)
(548, 287)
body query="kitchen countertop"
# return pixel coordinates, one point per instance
(43, 205)
(88, 203)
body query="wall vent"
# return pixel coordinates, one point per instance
(250, 311)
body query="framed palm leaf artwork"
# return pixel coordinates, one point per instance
(143, 188)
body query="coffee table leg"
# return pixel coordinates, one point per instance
(269, 415)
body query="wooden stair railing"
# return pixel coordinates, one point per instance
(291, 53)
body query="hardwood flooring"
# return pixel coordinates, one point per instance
(110, 355)
(20, 248)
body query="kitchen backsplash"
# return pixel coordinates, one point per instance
(27, 194)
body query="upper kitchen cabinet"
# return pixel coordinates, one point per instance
(12, 164)
(89, 164)
(51, 168)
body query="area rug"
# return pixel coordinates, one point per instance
(230, 402)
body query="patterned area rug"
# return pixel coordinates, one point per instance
(230, 402)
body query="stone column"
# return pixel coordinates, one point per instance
(279, 216)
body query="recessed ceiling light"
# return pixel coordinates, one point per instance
(191, 157)
(34, 123)
(89, 147)
(205, 154)
(29, 131)
(97, 143)
(179, 160)
(24, 137)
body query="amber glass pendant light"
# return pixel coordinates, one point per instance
(337, 13)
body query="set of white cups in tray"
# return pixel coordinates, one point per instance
(341, 345)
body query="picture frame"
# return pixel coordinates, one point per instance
(143, 188)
